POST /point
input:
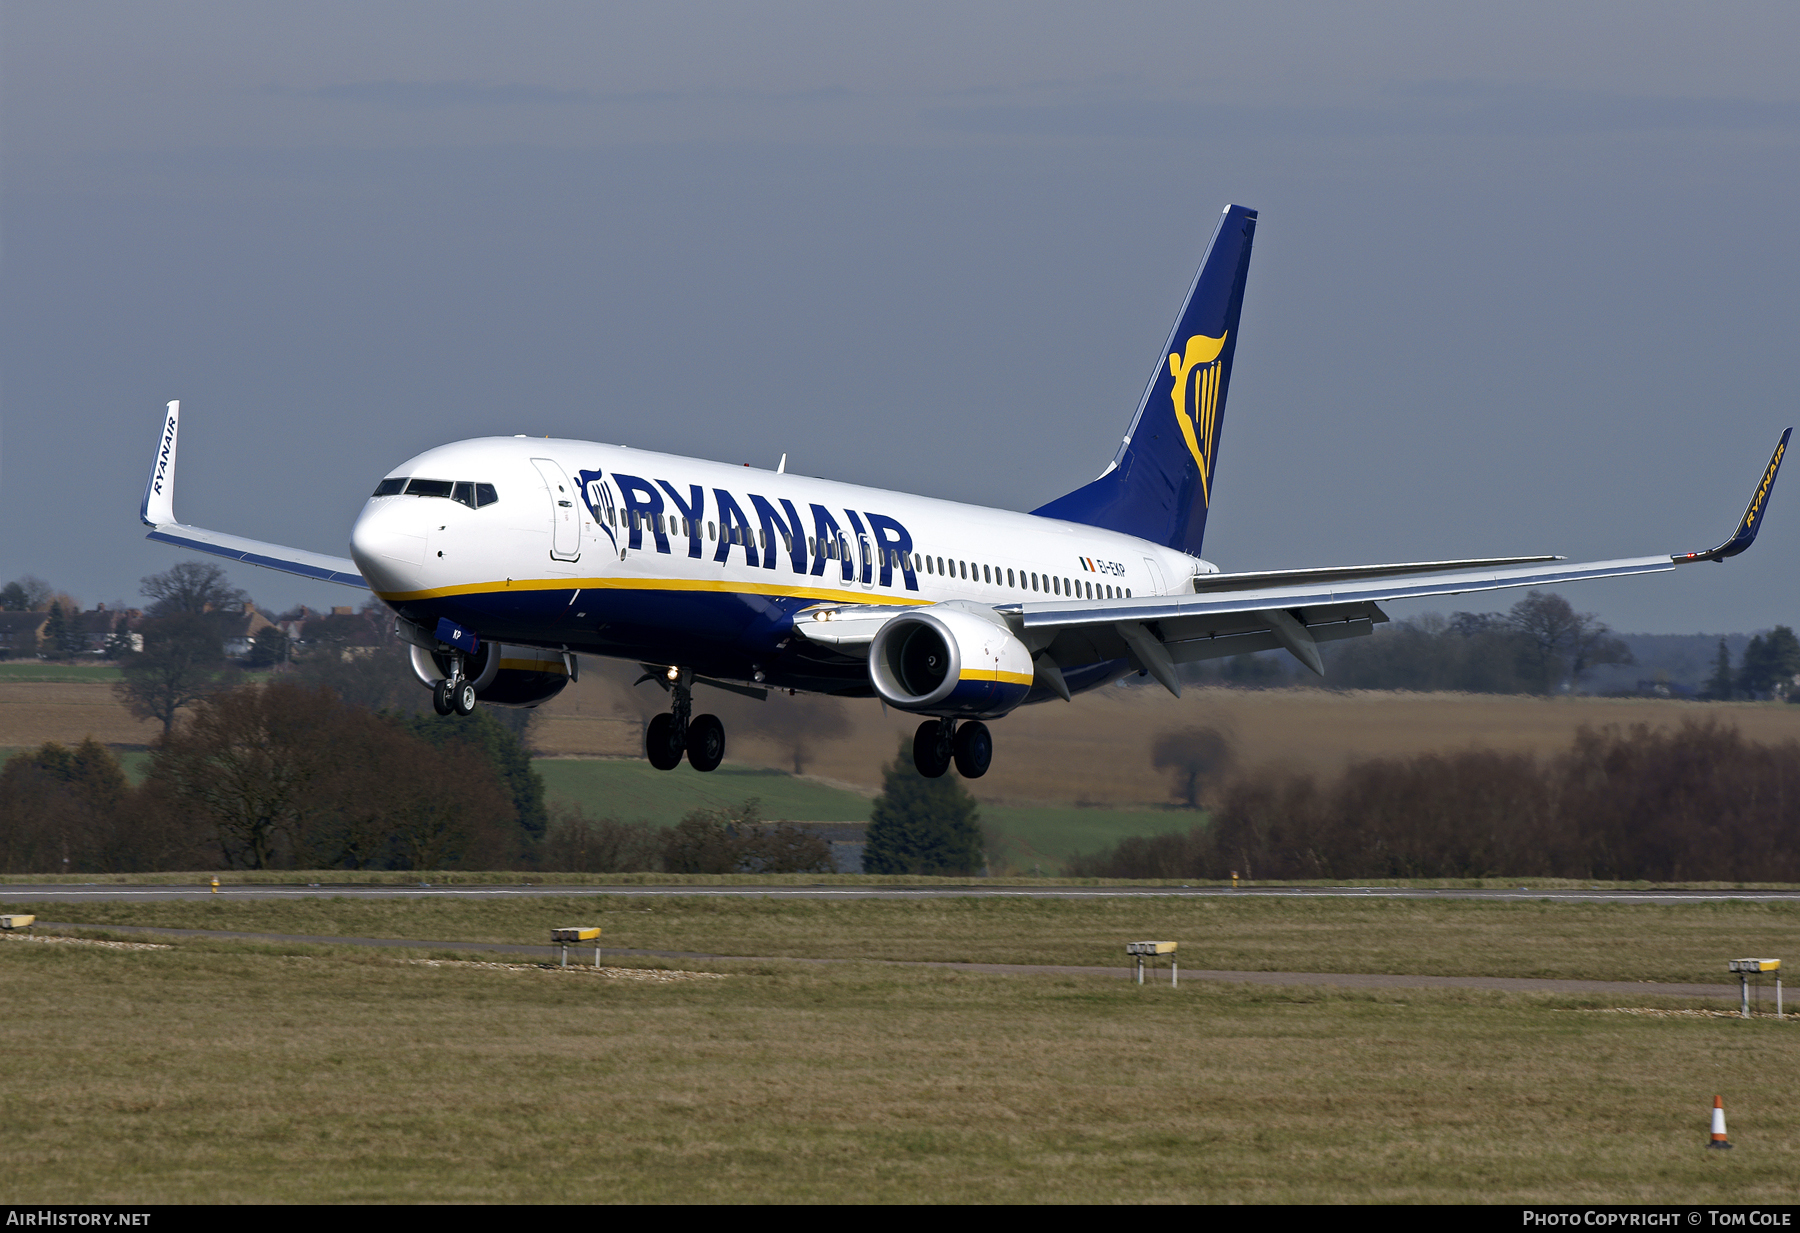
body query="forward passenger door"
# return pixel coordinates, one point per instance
(565, 514)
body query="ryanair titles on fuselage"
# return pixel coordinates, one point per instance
(661, 514)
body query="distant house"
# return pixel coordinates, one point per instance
(353, 633)
(240, 630)
(97, 628)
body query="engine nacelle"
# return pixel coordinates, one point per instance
(502, 675)
(949, 660)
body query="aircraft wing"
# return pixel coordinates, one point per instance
(1340, 573)
(158, 513)
(1291, 609)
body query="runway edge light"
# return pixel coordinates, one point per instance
(574, 934)
(1141, 950)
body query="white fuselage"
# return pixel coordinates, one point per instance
(645, 554)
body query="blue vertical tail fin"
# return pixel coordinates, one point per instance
(1159, 484)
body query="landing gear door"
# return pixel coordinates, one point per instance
(565, 513)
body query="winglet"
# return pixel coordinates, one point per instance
(159, 491)
(1751, 522)
(158, 513)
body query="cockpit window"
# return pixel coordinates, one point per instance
(468, 493)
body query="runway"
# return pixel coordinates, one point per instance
(114, 893)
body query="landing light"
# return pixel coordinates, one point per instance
(674, 674)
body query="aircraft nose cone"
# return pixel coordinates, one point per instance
(388, 542)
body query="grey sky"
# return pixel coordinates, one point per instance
(1524, 279)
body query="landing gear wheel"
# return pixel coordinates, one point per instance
(464, 699)
(706, 742)
(660, 745)
(931, 751)
(440, 698)
(974, 750)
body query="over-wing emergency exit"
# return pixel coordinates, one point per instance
(505, 559)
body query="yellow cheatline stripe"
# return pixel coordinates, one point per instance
(844, 595)
(1008, 678)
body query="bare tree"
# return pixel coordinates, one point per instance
(1592, 645)
(193, 587)
(441, 810)
(1195, 755)
(800, 723)
(251, 764)
(1548, 624)
(181, 664)
(737, 840)
(1562, 640)
(577, 843)
(26, 593)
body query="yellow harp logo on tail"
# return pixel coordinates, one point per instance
(1196, 396)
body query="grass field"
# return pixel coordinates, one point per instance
(1687, 942)
(232, 1072)
(31, 670)
(632, 790)
(1096, 750)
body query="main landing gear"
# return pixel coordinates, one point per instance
(455, 695)
(679, 731)
(938, 742)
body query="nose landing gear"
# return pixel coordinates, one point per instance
(678, 731)
(939, 742)
(456, 695)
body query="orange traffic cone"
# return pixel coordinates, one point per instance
(1718, 1131)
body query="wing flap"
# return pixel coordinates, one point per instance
(1349, 573)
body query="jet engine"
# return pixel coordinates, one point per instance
(502, 675)
(950, 660)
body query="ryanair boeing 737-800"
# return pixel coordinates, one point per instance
(504, 559)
